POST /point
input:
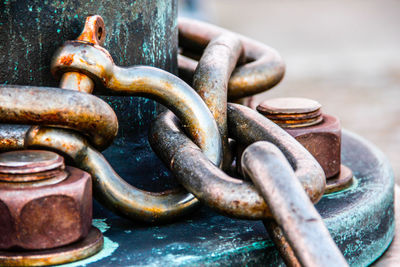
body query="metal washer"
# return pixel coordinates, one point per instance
(85, 248)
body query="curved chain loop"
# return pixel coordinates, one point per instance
(263, 67)
(226, 194)
(84, 59)
(96, 62)
(109, 187)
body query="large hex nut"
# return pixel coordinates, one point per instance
(323, 141)
(302, 118)
(48, 216)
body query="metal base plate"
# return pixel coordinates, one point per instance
(360, 220)
(92, 244)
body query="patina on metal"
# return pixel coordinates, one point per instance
(290, 206)
(45, 216)
(228, 195)
(263, 67)
(109, 188)
(96, 62)
(144, 32)
(211, 82)
(362, 229)
(86, 57)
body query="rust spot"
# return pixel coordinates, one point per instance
(67, 60)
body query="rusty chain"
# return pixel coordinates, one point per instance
(285, 175)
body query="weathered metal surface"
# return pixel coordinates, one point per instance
(318, 133)
(32, 161)
(211, 82)
(87, 247)
(362, 229)
(149, 82)
(143, 32)
(157, 84)
(109, 188)
(323, 141)
(264, 67)
(94, 32)
(281, 244)
(43, 217)
(291, 112)
(228, 195)
(290, 206)
(391, 257)
(341, 181)
(60, 108)
(31, 166)
(241, 119)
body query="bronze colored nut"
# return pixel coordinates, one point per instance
(323, 141)
(48, 211)
(302, 118)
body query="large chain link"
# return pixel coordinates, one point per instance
(285, 175)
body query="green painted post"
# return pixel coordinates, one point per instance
(138, 32)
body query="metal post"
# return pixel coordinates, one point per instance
(139, 32)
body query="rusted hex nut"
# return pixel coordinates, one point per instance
(302, 118)
(43, 204)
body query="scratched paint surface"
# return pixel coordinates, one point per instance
(360, 220)
(139, 32)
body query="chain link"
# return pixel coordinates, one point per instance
(285, 175)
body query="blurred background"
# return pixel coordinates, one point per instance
(345, 54)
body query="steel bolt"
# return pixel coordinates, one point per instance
(43, 204)
(302, 118)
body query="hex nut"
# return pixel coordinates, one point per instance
(48, 216)
(323, 141)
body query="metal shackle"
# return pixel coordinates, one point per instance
(83, 59)
(96, 62)
(143, 81)
(263, 67)
(109, 188)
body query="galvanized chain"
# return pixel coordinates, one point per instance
(285, 175)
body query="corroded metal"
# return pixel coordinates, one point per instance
(263, 66)
(247, 126)
(82, 249)
(281, 243)
(143, 33)
(96, 62)
(291, 112)
(211, 82)
(46, 216)
(319, 133)
(60, 108)
(290, 206)
(344, 179)
(94, 32)
(227, 195)
(31, 166)
(109, 188)
(86, 57)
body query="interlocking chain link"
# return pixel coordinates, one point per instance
(287, 178)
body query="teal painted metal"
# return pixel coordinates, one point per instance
(360, 220)
(139, 32)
